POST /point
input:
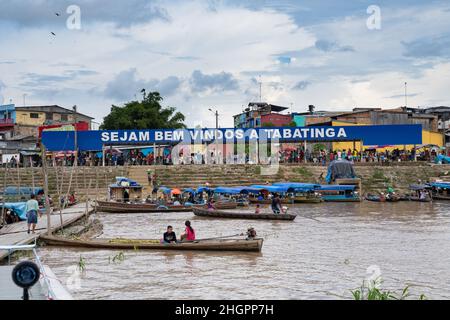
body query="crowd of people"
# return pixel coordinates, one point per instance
(369, 155)
(136, 157)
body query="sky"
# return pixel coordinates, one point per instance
(201, 55)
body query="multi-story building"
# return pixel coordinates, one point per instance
(258, 114)
(29, 119)
(20, 127)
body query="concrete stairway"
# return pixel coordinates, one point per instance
(85, 180)
(374, 177)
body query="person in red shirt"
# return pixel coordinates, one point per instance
(189, 233)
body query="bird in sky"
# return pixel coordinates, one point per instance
(53, 33)
(57, 14)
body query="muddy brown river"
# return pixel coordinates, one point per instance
(327, 251)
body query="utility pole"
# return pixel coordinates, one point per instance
(406, 94)
(47, 203)
(75, 164)
(260, 89)
(216, 114)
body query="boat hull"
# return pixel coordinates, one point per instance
(125, 210)
(268, 201)
(254, 245)
(242, 215)
(340, 199)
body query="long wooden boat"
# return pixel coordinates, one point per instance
(418, 199)
(112, 204)
(154, 209)
(223, 205)
(254, 245)
(242, 215)
(375, 198)
(269, 201)
(308, 199)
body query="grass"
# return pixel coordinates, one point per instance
(120, 257)
(81, 264)
(379, 175)
(371, 291)
(303, 171)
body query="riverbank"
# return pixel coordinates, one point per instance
(93, 181)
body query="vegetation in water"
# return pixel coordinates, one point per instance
(120, 257)
(81, 264)
(372, 291)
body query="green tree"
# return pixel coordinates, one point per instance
(145, 114)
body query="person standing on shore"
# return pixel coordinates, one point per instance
(32, 209)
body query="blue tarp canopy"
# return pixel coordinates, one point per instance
(419, 186)
(165, 190)
(247, 190)
(274, 189)
(122, 181)
(204, 189)
(336, 187)
(442, 159)
(227, 190)
(15, 191)
(298, 185)
(18, 207)
(443, 185)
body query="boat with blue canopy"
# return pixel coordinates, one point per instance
(440, 190)
(263, 196)
(301, 192)
(339, 193)
(421, 193)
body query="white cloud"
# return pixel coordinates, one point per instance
(234, 43)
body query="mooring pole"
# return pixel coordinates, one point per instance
(47, 203)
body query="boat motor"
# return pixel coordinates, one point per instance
(25, 275)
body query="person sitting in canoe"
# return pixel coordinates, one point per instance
(258, 209)
(210, 205)
(169, 236)
(189, 233)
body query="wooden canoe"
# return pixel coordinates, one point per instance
(112, 209)
(242, 215)
(137, 244)
(225, 205)
(269, 201)
(121, 205)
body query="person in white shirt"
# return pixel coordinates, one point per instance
(32, 209)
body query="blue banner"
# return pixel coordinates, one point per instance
(370, 135)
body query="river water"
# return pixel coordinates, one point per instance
(330, 249)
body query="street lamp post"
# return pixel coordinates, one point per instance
(216, 113)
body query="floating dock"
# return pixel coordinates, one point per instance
(16, 234)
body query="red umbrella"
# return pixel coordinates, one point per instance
(176, 192)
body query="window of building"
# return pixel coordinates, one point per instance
(49, 116)
(34, 115)
(64, 117)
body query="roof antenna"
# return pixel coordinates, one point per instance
(260, 89)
